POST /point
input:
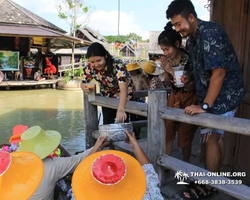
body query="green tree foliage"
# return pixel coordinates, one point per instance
(134, 37)
(124, 38)
(74, 12)
(115, 38)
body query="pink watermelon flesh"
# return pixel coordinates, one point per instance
(109, 169)
(5, 160)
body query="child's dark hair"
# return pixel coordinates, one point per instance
(96, 49)
(150, 76)
(169, 36)
(138, 71)
(180, 7)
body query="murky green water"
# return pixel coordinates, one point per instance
(58, 110)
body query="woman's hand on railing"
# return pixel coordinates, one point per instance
(85, 88)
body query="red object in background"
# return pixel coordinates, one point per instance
(49, 66)
(17, 132)
(109, 169)
(28, 72)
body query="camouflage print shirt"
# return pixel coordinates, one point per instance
(109, 84)
(211, 48)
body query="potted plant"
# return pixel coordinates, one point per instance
(70, 81)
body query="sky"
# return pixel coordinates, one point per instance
(136, 16)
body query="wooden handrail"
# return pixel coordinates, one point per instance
(62, 68)
(240, 191)
(69, 65)
(230, 124)
(131, 106)
(235, 125)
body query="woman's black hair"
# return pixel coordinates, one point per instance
(169, 36)
(96, 49)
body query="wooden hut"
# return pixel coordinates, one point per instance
(128, 51)
(21, 30)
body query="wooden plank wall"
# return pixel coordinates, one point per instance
(230, 15)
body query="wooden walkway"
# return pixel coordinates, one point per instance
(9, 84)
(172, 191)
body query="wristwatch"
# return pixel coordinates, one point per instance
(205, 106)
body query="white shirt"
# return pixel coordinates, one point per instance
(153, 191)
(37, 76)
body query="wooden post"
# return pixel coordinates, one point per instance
(91, 121)
(156, 137)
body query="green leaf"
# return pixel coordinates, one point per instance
(85, 9)
(70, 4)
(78, 25)
(62, 15)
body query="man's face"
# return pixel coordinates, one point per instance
(182, 25)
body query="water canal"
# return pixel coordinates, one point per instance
(52, 109)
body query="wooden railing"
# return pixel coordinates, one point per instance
(157, 112)
(63, 68)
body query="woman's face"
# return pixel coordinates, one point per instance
(98, 62)
(169, 51)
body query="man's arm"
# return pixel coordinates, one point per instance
(215, 85)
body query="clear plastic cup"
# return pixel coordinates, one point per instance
(178, 72)
(91, 95)
(91, 87)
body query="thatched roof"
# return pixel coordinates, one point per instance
(129, 46)
(12, 13)
(89, 34)
(18, 21)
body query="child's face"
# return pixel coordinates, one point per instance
(133, 73)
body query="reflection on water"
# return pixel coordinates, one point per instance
(58, 110)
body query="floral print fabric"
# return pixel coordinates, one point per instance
(156, 83)
(211, 48)
(109, 84)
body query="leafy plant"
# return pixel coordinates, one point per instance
(77, 75)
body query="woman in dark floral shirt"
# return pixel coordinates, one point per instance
(170, 42)
(114, 79)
